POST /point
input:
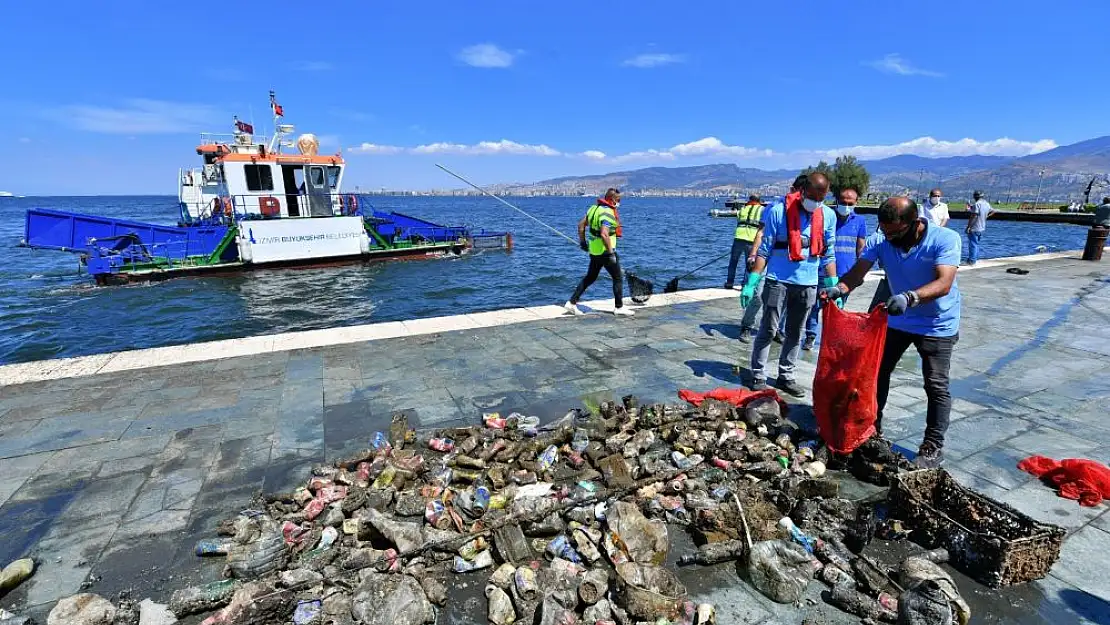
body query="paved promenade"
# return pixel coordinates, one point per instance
(111, 466)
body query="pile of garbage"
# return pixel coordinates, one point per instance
(568, 523)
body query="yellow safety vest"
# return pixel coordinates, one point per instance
(594, 216)
(748, 221)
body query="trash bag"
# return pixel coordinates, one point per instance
(501, 611)
(924, 604)
(649, 592)
(844, 387)
(738, 397)
(645, 541)
(264, 552)
(780, 570)
(384, 599)
(925, 584)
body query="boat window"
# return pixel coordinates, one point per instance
(317, 176)
(259, 178)
(333, 177)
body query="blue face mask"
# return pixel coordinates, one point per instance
(843, 210)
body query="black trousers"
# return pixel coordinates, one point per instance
(936, 361)
(613, 266)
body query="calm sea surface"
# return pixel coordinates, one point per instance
(48, 309)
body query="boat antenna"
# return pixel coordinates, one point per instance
(522, 212)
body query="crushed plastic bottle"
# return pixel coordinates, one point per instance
(481, 561)
(380, 442)
(204, 548)
(501, 611)
(684, 462)
(807, 542)
(307, 611)
(547, 459)
(560, 547)
(441, 444)
(580, 441)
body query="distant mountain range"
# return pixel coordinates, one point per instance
(1067, 171)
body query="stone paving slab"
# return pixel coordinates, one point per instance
(110, 478)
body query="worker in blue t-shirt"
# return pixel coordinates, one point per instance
(920, 260)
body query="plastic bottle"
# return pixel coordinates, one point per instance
(481, 561)
(441, 444)
(19, 570)
(799, 537)
(547, 459)
(580, 441)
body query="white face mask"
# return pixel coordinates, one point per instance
(843, 210)
(810, 205)
(934, 201)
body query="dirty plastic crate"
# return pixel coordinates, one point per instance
(987, 540)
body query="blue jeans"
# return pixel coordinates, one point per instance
(780, 300)
(973, 239)
(740, 249)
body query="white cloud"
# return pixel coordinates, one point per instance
(714, 148)
(654, 60)
(373, 148)
(930, 147)
(895, 64)
(138, 116)
(487, 55)
(503, 146)
(24, 139)
(707, 146)
(312, 66)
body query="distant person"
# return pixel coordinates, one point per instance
(798, 236)
(748, 224)
(936, 210)
(1102, 214)
(921, 262)
(604, 227)
(851, 234)
(976, 225)
(751, 309)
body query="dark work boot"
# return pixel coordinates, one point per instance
(810, 341)
(746, 335)
(929, 456)
(790, 387)
(759, 384)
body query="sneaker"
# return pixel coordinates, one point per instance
(809, 342)
(623, 312)
(573, 309)
(778, 337)
(790, 387)
(746, 335)
(929, 456)
(759, 384)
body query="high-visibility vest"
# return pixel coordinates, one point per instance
(748, 221)
(594, 216)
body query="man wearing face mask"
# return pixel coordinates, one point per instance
(851, 234)
(920, 260)
(798, 236)
(936, 211)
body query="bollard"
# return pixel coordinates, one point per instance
(1096, 240)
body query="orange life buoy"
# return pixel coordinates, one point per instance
(352, 204)
(269, 206)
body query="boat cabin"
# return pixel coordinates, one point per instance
(249, 177)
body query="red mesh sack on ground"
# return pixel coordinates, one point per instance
(1085, 481)
(738, 397)
(844, 390)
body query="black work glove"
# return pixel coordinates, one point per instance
(899, 304)
(613, 255)
(585, 246)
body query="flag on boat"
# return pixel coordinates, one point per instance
(244, 127)
(275, 107)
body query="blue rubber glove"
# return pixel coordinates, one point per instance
(898, 304)
(830, 291)
(748, 292)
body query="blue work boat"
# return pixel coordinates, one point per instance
(251, 205)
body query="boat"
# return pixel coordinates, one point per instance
(6, 194)
(250, 204)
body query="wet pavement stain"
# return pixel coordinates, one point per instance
(24, 523)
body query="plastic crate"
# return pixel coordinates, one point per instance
(988, 540)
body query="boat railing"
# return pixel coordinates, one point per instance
(229, 138)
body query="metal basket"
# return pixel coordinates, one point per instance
(988, 540)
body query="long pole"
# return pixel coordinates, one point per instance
(1040, 179)
(480, 189)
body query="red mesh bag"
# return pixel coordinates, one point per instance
(738, 397)
(845, 399)
(1085, 481)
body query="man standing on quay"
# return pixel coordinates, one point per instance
(921, 261)
(976, 225)
(798, 236)
(748, 224)
(936, 211)
(605, 228)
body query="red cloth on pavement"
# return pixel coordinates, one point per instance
(738, 397)
(1085, 481)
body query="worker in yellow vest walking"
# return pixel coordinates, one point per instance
(749, 223)
(604, 227)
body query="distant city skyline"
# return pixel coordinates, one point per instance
(516, 92)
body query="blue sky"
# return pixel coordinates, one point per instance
(112, 100)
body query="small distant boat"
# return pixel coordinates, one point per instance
(6, 194)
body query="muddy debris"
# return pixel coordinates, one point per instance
(563, 523)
